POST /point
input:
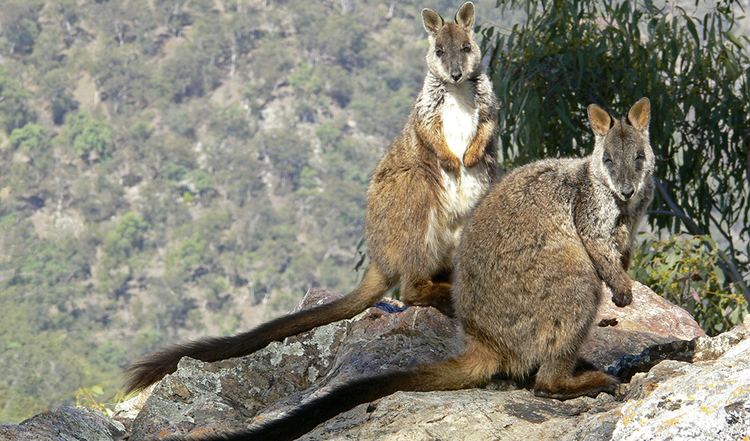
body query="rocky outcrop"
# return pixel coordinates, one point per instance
(65, 423)
(708, 399)
(227, 395)
(683, 385)
(625, 332)
(230, 395)
(675, 400)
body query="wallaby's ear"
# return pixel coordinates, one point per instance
(640, 114)
(465, 16)
(600, 120)
(431, 20)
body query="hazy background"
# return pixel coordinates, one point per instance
(176, 168)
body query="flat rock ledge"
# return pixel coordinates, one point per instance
(682, 384)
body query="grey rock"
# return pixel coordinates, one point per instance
(467, 415)
(683, 385)
(649, 320)
(229, 395)
(64, 424)
(705, 400)
(675, 400)
(203, 398)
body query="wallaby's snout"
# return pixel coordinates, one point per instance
(456, 75)
(627, 191)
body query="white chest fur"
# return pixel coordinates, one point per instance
(460, 116)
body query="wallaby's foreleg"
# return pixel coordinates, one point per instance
(609, 266)
(432, 137)
(475, 152)
(623, 243)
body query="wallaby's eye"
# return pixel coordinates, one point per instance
(466, 48)
(606, 159)
(439, 52)
(640, 156)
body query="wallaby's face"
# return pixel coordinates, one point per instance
(453, 56)
(622, 158)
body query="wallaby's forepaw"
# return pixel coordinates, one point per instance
(472, 157)
(451, 164)
(622, 295)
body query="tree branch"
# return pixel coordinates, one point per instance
(725, 262)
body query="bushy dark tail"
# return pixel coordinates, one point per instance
(155, 366)
(476, 366)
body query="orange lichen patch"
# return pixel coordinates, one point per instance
(741, 391)
(650, 387)
(672, 421)
(201, 431)
(627, 414)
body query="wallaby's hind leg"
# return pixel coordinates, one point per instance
(555, 379)
(583, 365)
(562, 374)
(425, 292)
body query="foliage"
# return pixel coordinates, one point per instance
(685, 270)
(127, 237)
(91, 138)
(19, 25)
(31, 138)
(14, 109)
(693, 65)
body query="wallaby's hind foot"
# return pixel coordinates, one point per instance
(588, 383)
(429, 293)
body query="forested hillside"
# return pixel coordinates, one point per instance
(175, 168)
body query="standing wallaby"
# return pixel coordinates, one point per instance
(529, 275)
(419, 197)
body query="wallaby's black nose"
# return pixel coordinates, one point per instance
(456, 76)
(627, 191)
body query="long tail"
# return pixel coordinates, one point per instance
(155, 366)
(474, 367)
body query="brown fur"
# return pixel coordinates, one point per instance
(528, 285)
(410, 228)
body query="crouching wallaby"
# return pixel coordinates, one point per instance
(529, 275)
(421, 192)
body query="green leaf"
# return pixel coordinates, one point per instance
(733, 38)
